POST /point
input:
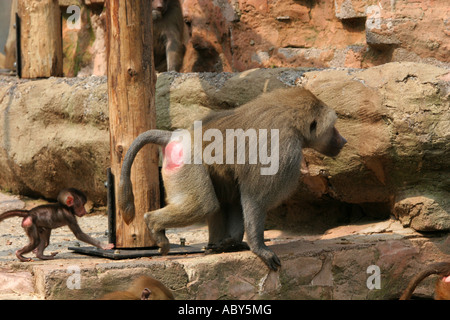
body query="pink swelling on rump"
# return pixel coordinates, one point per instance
(173, 156)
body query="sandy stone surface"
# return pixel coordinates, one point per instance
(95, 224)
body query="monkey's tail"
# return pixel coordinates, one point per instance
(440, 268)
(14, 213)
(125, 194)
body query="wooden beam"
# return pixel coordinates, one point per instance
(10, 46)
(131, 92)
(41, 39)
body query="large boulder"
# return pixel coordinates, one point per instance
(54, 134)
(397, 122)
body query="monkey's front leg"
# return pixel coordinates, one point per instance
(40, 253)
(33, 235)
(254, 217)
(80, 235)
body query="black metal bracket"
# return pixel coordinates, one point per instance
(111, 205)
(18, 47)
(131, 253)
(118, 254)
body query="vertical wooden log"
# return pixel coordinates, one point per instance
(131, 89)
(41, 39)
(10, 46)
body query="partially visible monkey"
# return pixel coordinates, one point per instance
(236, 197)
(168, 35)
(442, 289)
(39, 222)
(143, 288)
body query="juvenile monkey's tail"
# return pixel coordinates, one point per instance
(14, 213)
(125, 194)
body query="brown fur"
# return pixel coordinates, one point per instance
(235, 197)
(168, 34)
(442, 289)
(143, 288)
(39, 222)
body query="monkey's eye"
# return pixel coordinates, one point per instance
(313, 126)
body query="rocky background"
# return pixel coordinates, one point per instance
(54, 134)
(236, 35)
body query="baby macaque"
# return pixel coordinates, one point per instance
(143, 288)
(39, 222)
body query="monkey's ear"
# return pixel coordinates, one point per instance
(69, 201)
(146, 294)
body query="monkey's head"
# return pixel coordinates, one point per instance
(321, 134)
(74, 200)
(159, 7)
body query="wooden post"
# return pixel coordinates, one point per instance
(131, 88)
(10, 46)
(41, 39)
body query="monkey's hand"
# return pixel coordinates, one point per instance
(108, 246)
(269, 258)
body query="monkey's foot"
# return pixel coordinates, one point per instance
(227, 245)
(164, 248)
(22, 258)
(44, 257)
(161, 241)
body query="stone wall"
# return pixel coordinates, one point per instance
(236, 35)
(341, 33)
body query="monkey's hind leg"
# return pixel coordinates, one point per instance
(171, 216)
(33, 235)
(44, 235)
(190, 198)
(226, 230)
(26, 249)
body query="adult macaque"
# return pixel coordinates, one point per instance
(234, 196)
(168, 33)
(442, 289)
(39, 222)
(143, 288)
